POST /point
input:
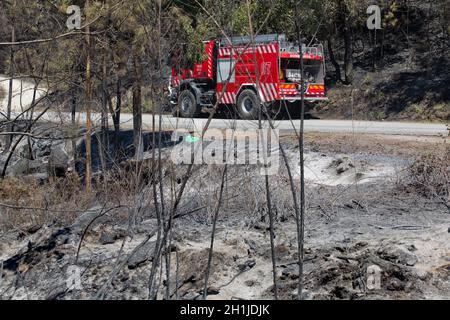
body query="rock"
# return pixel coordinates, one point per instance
(361, 244)
(398, 255)
(38, 166)
(145, 226)
(213, 290)
(190, 295)
(120, 232)
(290, 272)
(256, 248)
(33, 229)
(421, 274)
(249, 264)
(342, 165)
(82, 221)
(341, 293)
(110, 236)
(328, 275)
(308, 250)
(395, 284)
(173, 248)
(19, 168)
(24, 150)
(35, 168)
(42, 148)
(124, 277)
(142, 255)
(261, 226)
(45, 242)
(107, 238)
(56, 293)
(58, 161)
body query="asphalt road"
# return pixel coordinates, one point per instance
(325, 126)
(23, 93)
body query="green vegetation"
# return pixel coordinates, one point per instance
(418, 109)
(368, 79)
(442, 107)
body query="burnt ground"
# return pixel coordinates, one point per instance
(362, 215)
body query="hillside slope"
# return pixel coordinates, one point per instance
(402, 76)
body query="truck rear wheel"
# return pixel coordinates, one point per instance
(187, 105)
(248, 105)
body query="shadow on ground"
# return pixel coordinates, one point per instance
(115, 154)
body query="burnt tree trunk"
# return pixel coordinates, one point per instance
(88, 166)
(73, 110)
(335, 64)
(10, 126)
(137, 107)
(104, 148)
(348, 56)
(115, 114)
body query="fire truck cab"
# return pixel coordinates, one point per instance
(249, 75)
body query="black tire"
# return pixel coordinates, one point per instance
(248, 105)
(187, 105)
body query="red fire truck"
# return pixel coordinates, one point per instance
(229, 75)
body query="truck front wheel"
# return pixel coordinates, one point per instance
(187, 105)
(248, 105)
